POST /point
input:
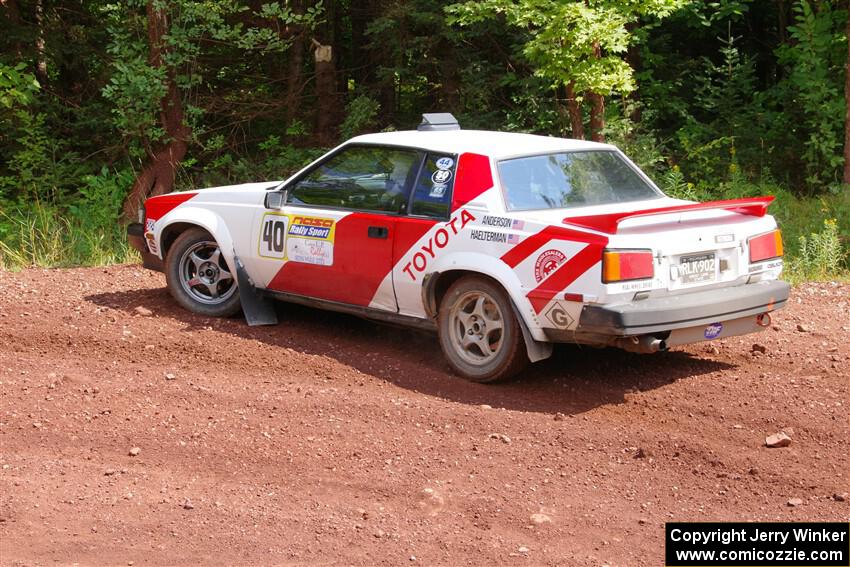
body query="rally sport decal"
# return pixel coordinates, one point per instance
(298, 238)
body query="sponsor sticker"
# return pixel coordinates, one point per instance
(441, 177)
(439, 239)
(713, 331)
(500, 222)
(488, 236)
(308, 251)
(445, 163)
(297, 238)
(310, 240)
(546, 263)
(559, 317)
(311, 227)
(438, 190)
(149, 224)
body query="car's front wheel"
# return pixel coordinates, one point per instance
(199, 277)
(479, 331)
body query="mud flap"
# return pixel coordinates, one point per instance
(258, 310)
(537, 350)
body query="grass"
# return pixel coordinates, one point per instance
(42, 236)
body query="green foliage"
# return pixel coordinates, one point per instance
(571, 42)
(820, 253)
(636, 140)
(814, 87)
(17, 87)
(361, 116)
(724, 127)
(673, 184)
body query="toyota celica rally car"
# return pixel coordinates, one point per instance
(503, 243)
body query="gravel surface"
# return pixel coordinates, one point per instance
(135, 433)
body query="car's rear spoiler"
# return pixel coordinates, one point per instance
(608, 223)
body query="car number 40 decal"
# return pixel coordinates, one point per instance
(297, 238)
(273, 236)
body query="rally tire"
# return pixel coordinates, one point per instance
(198, 275)
(479, 332)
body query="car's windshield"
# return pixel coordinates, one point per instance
(571, 179)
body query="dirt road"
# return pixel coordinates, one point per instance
(328, 440)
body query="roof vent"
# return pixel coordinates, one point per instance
(438, 121)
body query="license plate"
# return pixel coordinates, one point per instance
(695, 269)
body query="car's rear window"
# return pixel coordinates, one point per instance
(571, 179)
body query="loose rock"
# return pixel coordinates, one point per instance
(143, 311)
(793, 502)
(839, 497)
(777, 440)
(501, 437)
(187, 505)
(135, 451)
(759, 348)
(540, 519)
(802, 328)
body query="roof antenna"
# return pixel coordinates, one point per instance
(437, 121)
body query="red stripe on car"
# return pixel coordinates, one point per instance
(527, 247)
(473, 178)
(566, 274)
(360, 263)
(159, 206)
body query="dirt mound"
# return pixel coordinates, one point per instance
(133, 432)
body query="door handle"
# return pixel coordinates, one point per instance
(378, 232)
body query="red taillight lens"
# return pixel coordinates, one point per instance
(765, 246)
(625, 265)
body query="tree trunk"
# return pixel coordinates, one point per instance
(576, 118)
(847, 104)
(40, 56)
(597, 106)
(597, 116)
(635, 61)
(295, 76)
(447, 70)
(14, 15)
(326, 96)
(157, 176)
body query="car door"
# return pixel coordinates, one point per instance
(430, 205)
(333, 240)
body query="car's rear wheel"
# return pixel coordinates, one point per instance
(199, 277)
(479, 331)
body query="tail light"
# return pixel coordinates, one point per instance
(625, 265)
(765, 246)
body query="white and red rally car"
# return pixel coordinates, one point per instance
(503, 243)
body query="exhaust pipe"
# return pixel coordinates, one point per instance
(644, 344)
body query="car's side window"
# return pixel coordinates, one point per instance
(432, 194)
(364, 178)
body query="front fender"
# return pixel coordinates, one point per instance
(203, 218)
(496, 269)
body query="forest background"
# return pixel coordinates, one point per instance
(103, 104)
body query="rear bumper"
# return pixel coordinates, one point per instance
(136, 238)
(683, 311)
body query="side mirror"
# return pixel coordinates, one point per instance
(275, 199)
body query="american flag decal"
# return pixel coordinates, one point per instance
(513, 238)
(518, 225)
